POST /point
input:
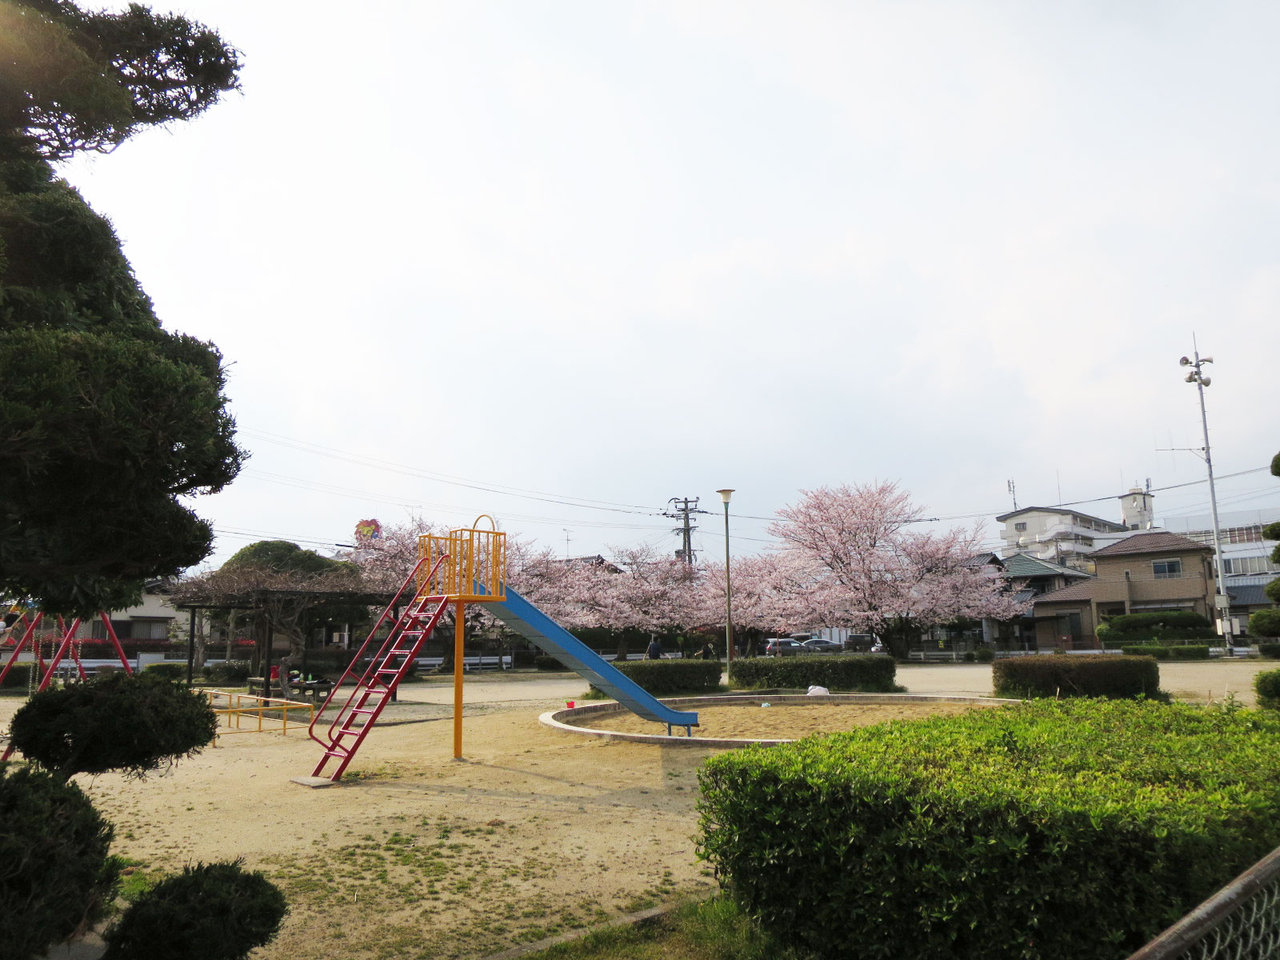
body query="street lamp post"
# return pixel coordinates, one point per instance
(728, 583)
(1222, 602)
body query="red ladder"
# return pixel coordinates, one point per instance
(376, 686)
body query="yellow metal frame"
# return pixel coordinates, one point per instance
(474, 567)
(231, 707)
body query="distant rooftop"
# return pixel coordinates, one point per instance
(1157, 541)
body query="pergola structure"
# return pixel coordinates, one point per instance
(258, 600)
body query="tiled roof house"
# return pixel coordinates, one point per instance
(1147, 571)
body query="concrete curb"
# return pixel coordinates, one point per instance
(558, 719)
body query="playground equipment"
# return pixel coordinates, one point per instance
(467, 565)
(68, 643)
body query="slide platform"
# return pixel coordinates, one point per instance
(534, 625)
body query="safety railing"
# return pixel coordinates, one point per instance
(248, 713)
(474, 567)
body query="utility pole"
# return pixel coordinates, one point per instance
(1222, 600)
(683, 509)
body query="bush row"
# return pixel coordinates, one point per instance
(1068, 675)
(668, 677)
(867, 673)
(1188, 651)
(1269, 650)
(992, 834)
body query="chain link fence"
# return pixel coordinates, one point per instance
(1239, 922)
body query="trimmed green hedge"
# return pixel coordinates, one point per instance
(1269, 650)
(667, 677)
(1069, 675)
(1190, 651)
(19, 675)
(1267, 687)
(228, 672)
(1053, 830)
(169, 669)
(867, 673)
(1159, 625)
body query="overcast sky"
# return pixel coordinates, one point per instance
(559, 262)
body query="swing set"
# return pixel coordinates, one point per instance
(65, 642)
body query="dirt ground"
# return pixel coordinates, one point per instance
(535, 832)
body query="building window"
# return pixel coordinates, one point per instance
(149, 630)
(1248, 565)
(1166, 569)
(1021, 527)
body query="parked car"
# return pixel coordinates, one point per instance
(781, 647)
(819, 645)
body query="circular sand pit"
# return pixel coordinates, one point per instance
(763, 718)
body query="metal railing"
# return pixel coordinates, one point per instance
(268, 714)
(1239, 922)
(468, 564)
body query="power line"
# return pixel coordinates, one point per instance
(391, 467)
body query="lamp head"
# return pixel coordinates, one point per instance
(725, 494)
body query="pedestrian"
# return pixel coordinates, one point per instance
(654, 650)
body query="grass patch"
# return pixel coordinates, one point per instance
(713, 929)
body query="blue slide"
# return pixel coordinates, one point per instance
(532, 624)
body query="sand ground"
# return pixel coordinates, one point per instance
(418, 855)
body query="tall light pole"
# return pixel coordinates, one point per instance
(1222, 602)
(728, 583)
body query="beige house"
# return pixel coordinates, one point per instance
(1144, 572)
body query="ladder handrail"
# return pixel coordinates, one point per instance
(393, 635)
(386, 615)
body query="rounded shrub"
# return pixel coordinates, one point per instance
(984, 654)
(216, 911)
(1265, 623)
(1267, 686)
(56, 876)
(119, 722)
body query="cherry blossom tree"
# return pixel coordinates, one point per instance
(869, 568)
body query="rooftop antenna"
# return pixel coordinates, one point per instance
(567, 531)
(1013, 492)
